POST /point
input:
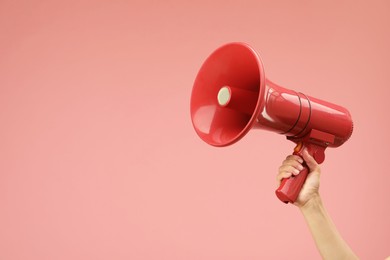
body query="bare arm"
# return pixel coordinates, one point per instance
(329, 242)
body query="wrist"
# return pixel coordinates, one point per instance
(313, 204)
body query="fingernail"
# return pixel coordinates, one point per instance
(300, 167)
(296, 171)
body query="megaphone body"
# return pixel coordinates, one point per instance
(231, 95)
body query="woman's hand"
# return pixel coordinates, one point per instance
(292, 166)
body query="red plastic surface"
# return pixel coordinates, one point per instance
(238, 67)
(256, 102)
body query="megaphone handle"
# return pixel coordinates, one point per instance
(289, 188)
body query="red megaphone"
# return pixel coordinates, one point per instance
(231, 95)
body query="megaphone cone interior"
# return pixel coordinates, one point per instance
(227, 94)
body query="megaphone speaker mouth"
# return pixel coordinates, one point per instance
(228, 94)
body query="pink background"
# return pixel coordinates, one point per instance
(98, 157)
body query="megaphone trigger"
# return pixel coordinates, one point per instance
(298, 147)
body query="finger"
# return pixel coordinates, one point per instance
(286, 172)
(294, 163)
(294, 158)
(310, 161)
(289, 168)
(283, 175)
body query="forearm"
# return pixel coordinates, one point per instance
(328, 240)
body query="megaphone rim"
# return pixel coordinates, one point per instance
(260, 101)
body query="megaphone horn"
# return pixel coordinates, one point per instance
(231, 95)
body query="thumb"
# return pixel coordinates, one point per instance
(310, 161)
